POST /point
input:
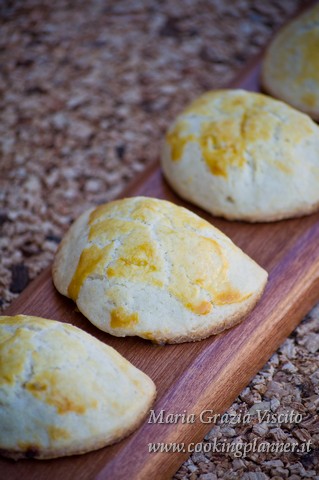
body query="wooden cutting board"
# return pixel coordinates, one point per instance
(197, 376)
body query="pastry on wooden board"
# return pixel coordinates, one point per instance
(290, 69)
(244, 156)
(63, 392)
(143, 266)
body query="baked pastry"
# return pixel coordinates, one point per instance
(244, 156)
(143, 266)
(63, 392)
(290, 69)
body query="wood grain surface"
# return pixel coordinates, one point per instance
(190, 377)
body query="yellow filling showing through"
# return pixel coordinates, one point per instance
(159, 245)
(233, 127)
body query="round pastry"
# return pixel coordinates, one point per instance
(143, 266)
(63, 392)
(290, 69)
(244, 156)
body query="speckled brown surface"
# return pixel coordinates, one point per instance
(87, 91)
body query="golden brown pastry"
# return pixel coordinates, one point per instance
(143, 266)
(290, 69)
(63, 392)
(244, 156)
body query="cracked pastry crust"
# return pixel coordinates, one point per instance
(63, 392)
(143, 266)
(290, 69)
(244, 156)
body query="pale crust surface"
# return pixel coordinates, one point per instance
(143, 266)
(291, 66)
(244, 156)
(63, 392)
